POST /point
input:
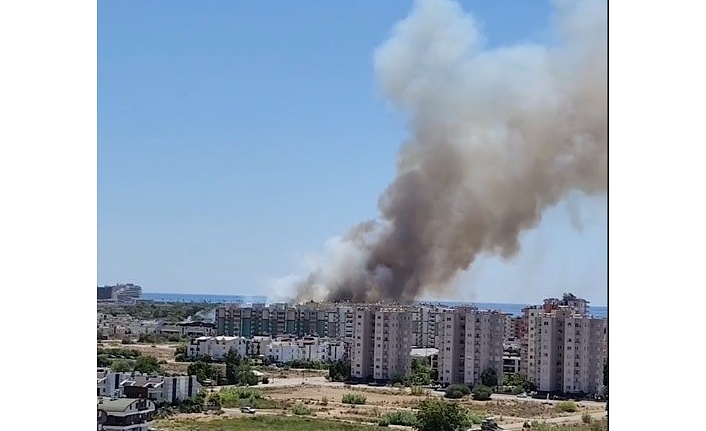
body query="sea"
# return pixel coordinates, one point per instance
(513, 309)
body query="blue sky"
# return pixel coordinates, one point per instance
(234, 138)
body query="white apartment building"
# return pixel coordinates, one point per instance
(217, 348)
(565, 350)
(383, 340)
(310, 349)
(284, 351)
(470, 341)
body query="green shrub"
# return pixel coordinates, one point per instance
(230, 397)
(586, 418)
(383, 422)
(457, 391)
(402, 417)
(324, 401)
(418, 391)
(481, 393)
(351, 398)
(566, 406)
(300, 409)
(474, 418)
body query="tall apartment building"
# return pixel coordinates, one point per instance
(564, 349)
(470, 340)
(425, 329)
(382, 342)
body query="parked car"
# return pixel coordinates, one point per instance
(248, 410)
(522, 395)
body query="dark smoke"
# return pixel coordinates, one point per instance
(497, 137)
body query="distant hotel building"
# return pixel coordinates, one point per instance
(470, 340)
(120, 292)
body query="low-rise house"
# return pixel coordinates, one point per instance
(123, 414)
(431, 354)
(159, 389)
(218, 347)
(511, 365)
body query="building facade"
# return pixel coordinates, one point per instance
(382, 343)
(470, 341)
(125, 414)
(564, 349)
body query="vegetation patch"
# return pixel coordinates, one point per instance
(260, 423)
(353, 398)
(566, 406)
(301, 410)
(457, 391)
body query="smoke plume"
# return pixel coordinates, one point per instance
(496, 137)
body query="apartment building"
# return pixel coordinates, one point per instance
(470, 340)
(125, 414)
(382, 342)
(310, 319)
(425, 326)
(564, 349)
(218, 347)
(310, 349)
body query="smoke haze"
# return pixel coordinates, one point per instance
(496, 137)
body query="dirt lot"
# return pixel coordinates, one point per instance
(325, 401)
(163, 352)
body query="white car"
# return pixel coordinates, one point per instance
(248, 410)
(522, 395)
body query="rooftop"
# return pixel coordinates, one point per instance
(424, 352)
(115, 405)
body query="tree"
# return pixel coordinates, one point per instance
(339, 371)
(439, 415)
(245, 376)
(489, 377)
(121, 366)
(421, 372)
(517, 380)
(233, 357)
(481, 393)
(147, 365)
(233, 362)
(180, 354)
(104, 361)
(202, 370)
